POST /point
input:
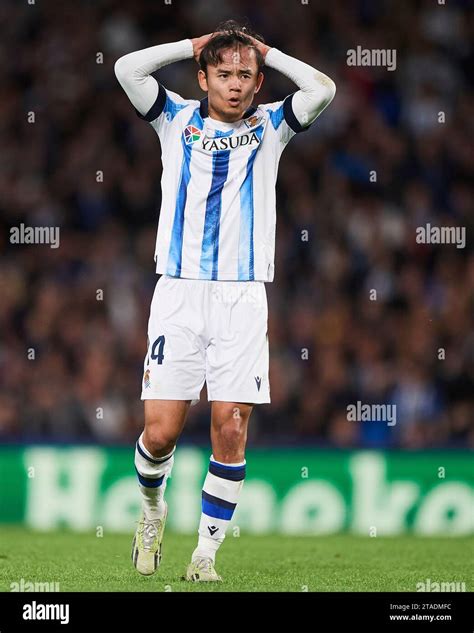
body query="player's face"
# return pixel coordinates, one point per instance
(231, 84)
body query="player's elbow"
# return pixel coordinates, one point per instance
(320, 96)
(329, 89)
(122, 67)
(119, 68)
(321, 93)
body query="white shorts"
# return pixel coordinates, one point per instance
(213, 331)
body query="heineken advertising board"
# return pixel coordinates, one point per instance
(297, 491)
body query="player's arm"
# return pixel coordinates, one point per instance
(134, 73)
(316, 90)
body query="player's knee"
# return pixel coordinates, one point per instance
(229, 439)
(159, 440)
(231, 431)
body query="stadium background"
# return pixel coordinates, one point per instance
(362, 236)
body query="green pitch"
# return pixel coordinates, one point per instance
(84, 562)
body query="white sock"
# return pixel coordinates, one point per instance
(152, 473)
(220, 493)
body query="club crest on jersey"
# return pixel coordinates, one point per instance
(146, 379)
(192, 134)
(253, 120)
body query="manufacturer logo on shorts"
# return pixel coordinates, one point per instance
(146, 379)
(258, 380)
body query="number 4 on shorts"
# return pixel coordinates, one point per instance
(157, 350)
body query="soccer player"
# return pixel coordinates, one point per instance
(214, 251)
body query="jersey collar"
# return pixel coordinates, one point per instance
(204, 109)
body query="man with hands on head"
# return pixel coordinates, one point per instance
(214, 253)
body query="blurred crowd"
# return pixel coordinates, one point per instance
(379, 162)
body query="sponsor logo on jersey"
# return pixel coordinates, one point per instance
(230, 142)
(192, 134)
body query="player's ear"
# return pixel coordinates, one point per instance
(202, 79)
(259, 83)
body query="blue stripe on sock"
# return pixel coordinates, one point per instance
(222, 503)
(227, 466)
(148, 482)
(233, 473)
(215, 511)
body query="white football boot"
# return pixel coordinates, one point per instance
(146, 545)
(201, 569)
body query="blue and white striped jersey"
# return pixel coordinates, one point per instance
(218, 212)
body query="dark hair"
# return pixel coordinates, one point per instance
(229, 34)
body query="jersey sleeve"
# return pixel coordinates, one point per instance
(135, 72)
(283, 119)
(163, 112)
(301, 108)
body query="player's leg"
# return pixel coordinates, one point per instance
(223, 484)
(174, 371)
(237, 378)
(229, 425)
(154, 451)
(154, 457)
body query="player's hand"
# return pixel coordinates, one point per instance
(263, 48)
(199, 43)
